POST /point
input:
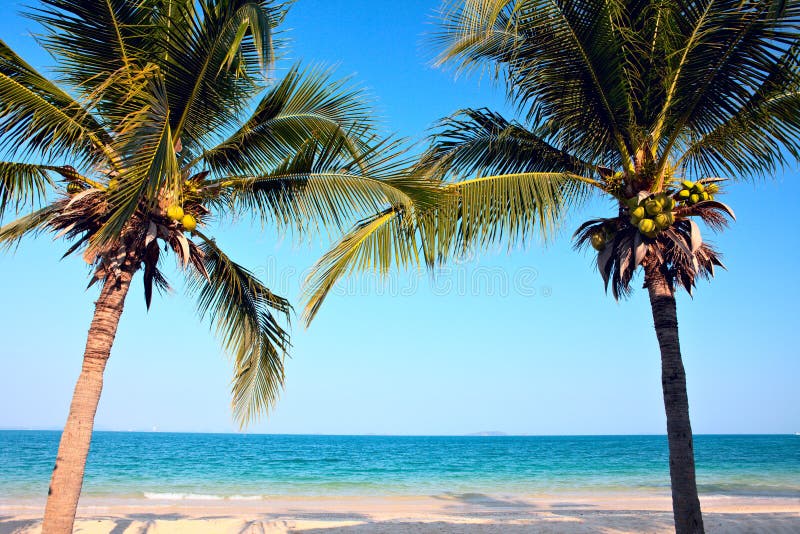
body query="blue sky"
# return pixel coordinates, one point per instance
(550, 354)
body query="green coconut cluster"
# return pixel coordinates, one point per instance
(693, 192)
(652, 214)
(601, 237)
(175, 212)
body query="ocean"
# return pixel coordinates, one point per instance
(167, 466)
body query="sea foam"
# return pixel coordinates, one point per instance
(198, 497)
(182, 497)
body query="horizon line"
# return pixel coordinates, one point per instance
(480, 434)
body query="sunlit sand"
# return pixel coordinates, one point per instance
(464, 513)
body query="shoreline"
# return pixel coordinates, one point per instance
(468, 513)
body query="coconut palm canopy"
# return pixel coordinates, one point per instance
(623, 100)
(162, 122)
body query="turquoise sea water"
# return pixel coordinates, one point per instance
(230, 466)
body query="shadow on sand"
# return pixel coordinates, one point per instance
(569, 519)
(12, 526)
(487, 501)
(583, 522)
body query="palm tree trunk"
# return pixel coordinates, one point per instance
(67, 479)
(685, 502)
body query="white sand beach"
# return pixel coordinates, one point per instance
(465, 514)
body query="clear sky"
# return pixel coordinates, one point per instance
(526, 343)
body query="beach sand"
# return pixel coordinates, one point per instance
(465, 513)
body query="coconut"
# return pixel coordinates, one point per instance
(189, 223)
(661, 220)
(647, 225)
(74, 187)
(598, 241)
(699, 188)
(704, 196)
(695, 198)
(687, 184)
(652, 207)
(175, 212)
(683, 194)
(712, 188)
(632, 202)
(639, 213)
(669, 204)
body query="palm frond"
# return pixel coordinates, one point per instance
(210, 51)
(79, 218)
(91, 39)
(622, 256)
(35, 222)
(488, 210)
(756, 138)
(242, 310)
(729, 50)
(465, 216)
(152, 275)
(479, 142)
(37, 116)
(322, 186)
(562, 63)
(147, 151)
(305, 104)
(21, 184)
(385, 240)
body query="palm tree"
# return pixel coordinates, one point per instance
(164, 126)
(650, 104)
